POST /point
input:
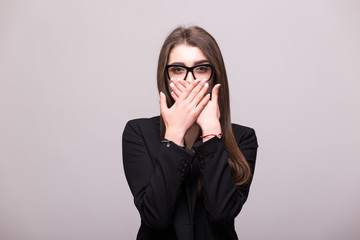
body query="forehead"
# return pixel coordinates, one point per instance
(186, 54)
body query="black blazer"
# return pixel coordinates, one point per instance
(163, 178)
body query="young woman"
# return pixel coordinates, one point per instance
(189, 169)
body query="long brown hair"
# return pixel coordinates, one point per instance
(198, 37)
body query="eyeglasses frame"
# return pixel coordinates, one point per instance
(189, 69)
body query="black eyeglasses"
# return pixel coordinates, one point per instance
(201, 71)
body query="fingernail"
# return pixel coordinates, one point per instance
(172, 85)
(204, 80)
(172, 79)
(172, 93)
(206, 84)
(179, 79)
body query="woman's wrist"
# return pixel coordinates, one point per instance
(211, 128)
(211, 131)
(175, 136)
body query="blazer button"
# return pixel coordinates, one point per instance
(182, 173)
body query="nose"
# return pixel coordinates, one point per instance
(190, 77)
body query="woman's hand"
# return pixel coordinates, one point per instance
(209, 118)
(189, 103)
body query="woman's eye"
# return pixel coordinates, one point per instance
(202, 69)
(177, 70)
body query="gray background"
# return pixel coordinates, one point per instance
(73, 72)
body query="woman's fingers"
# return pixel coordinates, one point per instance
(177, 87)
(174, 96)
(175, 93)
(163, 104)
(188, 90)
(195, 91)
(215, 92)
(204, 101)
(180, 84)
(191, 92)
(200, 94)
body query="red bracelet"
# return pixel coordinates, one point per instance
(218, 136)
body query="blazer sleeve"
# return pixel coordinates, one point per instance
(223, 199)
(155, 184)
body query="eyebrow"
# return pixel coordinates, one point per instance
(195, 63)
